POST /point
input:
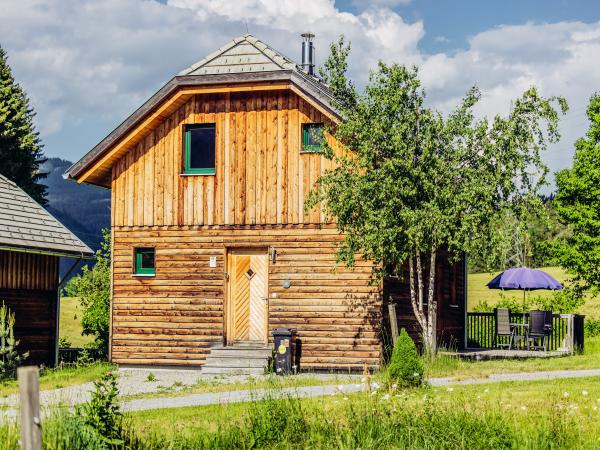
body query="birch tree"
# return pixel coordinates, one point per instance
(411, 181)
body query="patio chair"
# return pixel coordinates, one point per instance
(540, 327)
(503, 328)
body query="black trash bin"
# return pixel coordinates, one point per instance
(284, 340)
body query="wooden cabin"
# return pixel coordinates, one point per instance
(31, 245)
(212, 245)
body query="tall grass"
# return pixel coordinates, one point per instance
(368, 422)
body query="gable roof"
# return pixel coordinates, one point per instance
(242, 54)
(243, 60)
(27, 226)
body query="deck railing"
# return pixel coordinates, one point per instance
(567, 331)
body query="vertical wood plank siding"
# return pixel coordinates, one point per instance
(175, 317)
(19, 270)
(262, 177)
(28, 284)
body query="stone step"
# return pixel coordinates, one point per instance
(239, 359)
(234, 362)
(232, 352)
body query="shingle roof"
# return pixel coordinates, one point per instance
(244, 59)
(242, 54)
(25, 225)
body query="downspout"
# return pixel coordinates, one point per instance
(57, 319)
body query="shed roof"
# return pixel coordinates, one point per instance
(27, 226)
(244, 59)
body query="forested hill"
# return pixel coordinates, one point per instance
(82, 208)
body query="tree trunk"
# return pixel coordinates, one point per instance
(417, 307)
(431, 305)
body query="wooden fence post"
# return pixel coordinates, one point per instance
(29, 400)
(393, 322)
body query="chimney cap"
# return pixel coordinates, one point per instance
(308, 35)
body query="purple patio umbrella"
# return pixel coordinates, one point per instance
(525, 279)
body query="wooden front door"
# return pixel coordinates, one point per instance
(247, 296)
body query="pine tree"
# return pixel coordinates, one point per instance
(9, 357)
(20, 144)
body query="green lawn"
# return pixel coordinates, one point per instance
(451, 366)
(70, 322)
(477, 291)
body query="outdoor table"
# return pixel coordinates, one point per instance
(520, 336)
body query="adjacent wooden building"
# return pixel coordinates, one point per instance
(212, 244)
(31, 245)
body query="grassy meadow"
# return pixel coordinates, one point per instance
(70, 322)
(524, 415)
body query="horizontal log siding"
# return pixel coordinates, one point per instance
(176, 316)
(261, 177)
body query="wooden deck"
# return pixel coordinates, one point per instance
(485, 354)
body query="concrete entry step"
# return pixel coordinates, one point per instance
(238, 359)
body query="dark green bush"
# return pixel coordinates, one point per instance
(406, 366)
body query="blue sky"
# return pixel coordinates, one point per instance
(87, 65)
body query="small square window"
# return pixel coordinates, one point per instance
(312, 137)
(199, 149)
(144, 263)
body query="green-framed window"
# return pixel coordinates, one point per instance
(312, 137)
(199, 149)
(144, 261)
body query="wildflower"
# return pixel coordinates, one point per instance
(595, 408)
(565, 394)
(375, 385)
(394, 386)
(524, 408)
(416, 374)
(486, 390)
(584, 393)
(450, 389)
(374, 393)
(385, 397)
(345, 398)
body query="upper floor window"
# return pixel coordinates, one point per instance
(144, 261)
(312, 137)
(199, 149)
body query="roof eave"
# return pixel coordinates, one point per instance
(310, 87)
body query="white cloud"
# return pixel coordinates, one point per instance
(81, 61)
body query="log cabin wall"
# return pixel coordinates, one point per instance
(262, 177)
(450, 296)
(176, 316)
(28, 286)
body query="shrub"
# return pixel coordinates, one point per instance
(9, 357)
(102, 412)
(406, 366)
(591, 327)
(64, 342)
(93, 289)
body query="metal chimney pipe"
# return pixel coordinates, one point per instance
(308, 53)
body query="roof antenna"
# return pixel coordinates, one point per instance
(246, 22)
